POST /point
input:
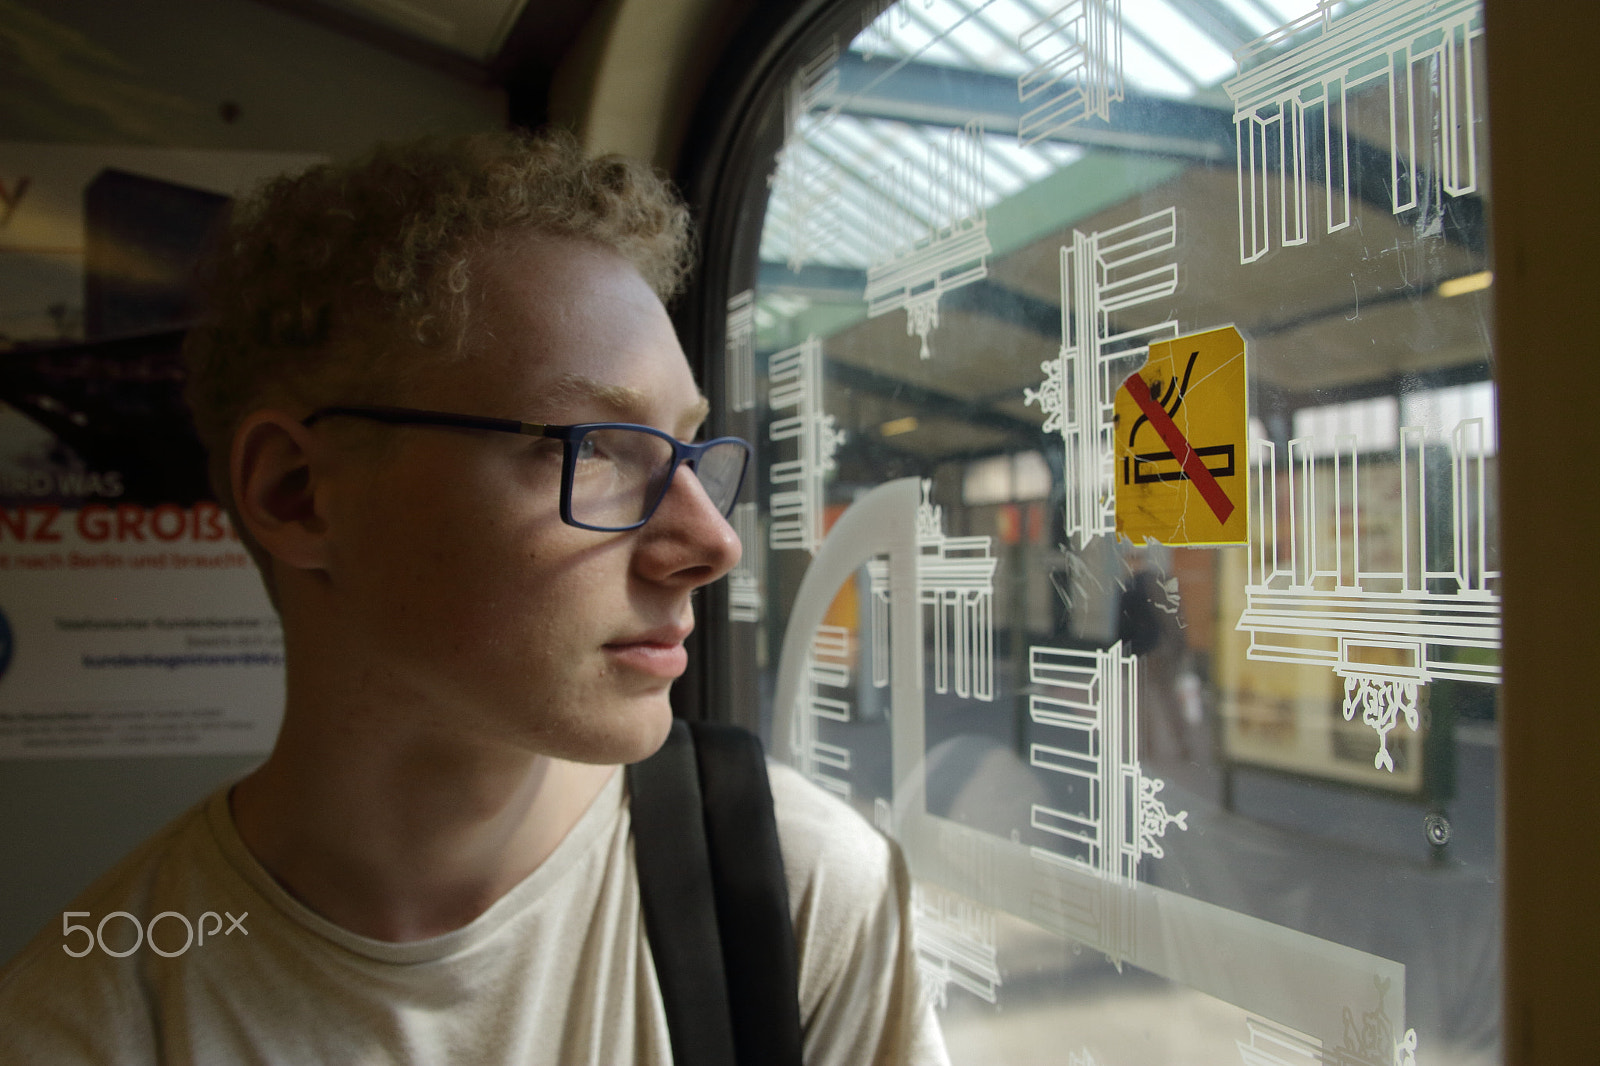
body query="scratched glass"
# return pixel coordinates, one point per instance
(1126, 366)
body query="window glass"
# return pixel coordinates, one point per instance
(1122, 536)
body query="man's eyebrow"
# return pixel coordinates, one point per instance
(576, 388)
(694, 416)
(625, 400)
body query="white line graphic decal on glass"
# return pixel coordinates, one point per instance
(827, 666)
(1271, 1044)
(1387, 616)
(933, 232)
(964, 946)
(1076, 52)
(956, 943)
(795, 376)
(1116, 815)
(744, 580)
(805, 186)
(1154, 818)
(1159, 931)
(1103, 274)
(813, 83)
(955, 578)
(740, 349)
(1393, 41)
(1368, 1042)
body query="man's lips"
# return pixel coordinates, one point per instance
(658, 652)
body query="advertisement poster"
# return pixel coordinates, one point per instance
(1290, 716)
(131, 618)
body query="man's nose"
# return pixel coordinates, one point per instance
(687, 539)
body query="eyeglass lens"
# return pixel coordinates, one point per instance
(620, 474)
(720, 470)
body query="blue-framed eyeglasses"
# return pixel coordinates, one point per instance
(613, 474)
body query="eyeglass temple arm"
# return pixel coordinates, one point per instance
(406, 416)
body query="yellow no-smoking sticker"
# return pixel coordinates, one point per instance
(1181, 457)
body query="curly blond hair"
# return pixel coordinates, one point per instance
(332, 285)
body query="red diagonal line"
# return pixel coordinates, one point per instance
(1173, 437)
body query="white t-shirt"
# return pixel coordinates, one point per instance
(557, 971)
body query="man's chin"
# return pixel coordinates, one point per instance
(628, 736)
(652, 734)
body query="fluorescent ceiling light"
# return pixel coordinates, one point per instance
(1466, 283)
(895, 427)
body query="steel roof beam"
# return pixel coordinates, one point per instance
(935, 95)
(929, 94)
(834, 284)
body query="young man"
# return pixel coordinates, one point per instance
(480, 627)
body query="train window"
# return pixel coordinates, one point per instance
(1123, 532)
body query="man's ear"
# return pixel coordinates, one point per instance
(275, 473)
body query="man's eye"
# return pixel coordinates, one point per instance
(543, 451)
(595, 448)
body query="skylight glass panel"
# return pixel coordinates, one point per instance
(1164, 52)
(1163, 24)
(848, 137)
(1013, 18)
(1031, 164)
(830, 200)
(1149, 73)
(879, 144)
(1007, 167)
(870, 146)
(971, 31)
(1251, 14)
(846, 149)
(833, 238)
(956, 25)
(821, 207)
(810, 211)
(1006, 21)
(1003, 173)
(852, 245)
(1289, 10)
(1059, 155)
(878, 38)
(897, 32)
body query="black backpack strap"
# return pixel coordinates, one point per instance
(676, 895)
(759, 956)
(715, 901)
